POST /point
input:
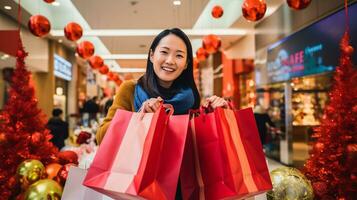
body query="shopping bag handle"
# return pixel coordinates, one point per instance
(169, 109)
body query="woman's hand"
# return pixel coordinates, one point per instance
(151, 105)
(215, 102)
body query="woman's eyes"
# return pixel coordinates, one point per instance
(178, 55)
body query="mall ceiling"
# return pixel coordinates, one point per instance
(117, 16)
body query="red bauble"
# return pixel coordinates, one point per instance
(49, 1)
(217, 12)
(211, 43)
(118, 82)
(85, 49)
(65, 157)
(254, 10)
(104, 69)
(201, 54)
(2, 138)
(52, 170)
(115, 78)
(96, 62)
(298, 4)
(348, 50)
(36, 138)
(110, 75)
(73, 31)
(63, 174)
(83, 137)
(39, 25)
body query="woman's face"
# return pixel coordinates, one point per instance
(169, 59)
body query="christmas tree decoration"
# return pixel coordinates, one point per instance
(39, 25)
(298, 4)
(115, 77)
(30, 171)
(327, 168)
(110, 76)
(201, 54)
(211, 43)
(44, 189)
(63, 173)
(23, 129)
(52, 170)
(118, 82)
(96, 62)
(49, 1)
(73, 31)
(289, 183)
(65, 157)
(217, 12)
(104, 69)
(254, 10)
(85, 49)
(330, 167)
(83, 137)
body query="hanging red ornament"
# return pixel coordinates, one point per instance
(63, 173)
(49, 1)
(348, 50)
(211, 43)
(36, 138)
(115, 77)
(298, 4)
(110, 76)
(73, 31)
(39, 25)
(85, 49)
(254, 10)
(104, 69)
(118, 82)
(217, 12)
(201, 54)
(65, 157)
(83, 137)
(96, 62)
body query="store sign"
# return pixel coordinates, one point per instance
(312, 50)
(62, 68)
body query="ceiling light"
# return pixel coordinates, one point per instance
(7, 7)
(60, 40)
(56, 3)
(177, 2)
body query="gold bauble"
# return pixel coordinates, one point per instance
(30, 171)
(288, 184)
(45, 189)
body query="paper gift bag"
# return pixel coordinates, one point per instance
(140, 156)
(74, 190)
(223, 157)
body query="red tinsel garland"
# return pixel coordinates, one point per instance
(23, 133)
(332, 164)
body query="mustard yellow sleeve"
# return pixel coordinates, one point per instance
(124, 99)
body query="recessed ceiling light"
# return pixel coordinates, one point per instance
(56, 3)
(7, 7)
(177, 2)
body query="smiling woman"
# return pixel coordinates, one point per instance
(168, 79)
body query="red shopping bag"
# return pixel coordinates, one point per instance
(223, 157)
(140, 156)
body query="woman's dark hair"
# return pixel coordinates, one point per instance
(149, 80)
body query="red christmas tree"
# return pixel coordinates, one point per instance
(23, 133)
(332, 164)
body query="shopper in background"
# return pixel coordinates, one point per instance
(263, 123)
(168, 79)
(58, 128)
(92, 108)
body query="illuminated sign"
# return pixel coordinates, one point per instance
(62, 68)
(313, 50)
